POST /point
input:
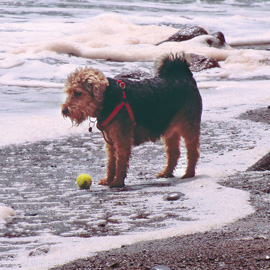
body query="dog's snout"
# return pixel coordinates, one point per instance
(65, 111)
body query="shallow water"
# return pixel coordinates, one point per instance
(40, 44)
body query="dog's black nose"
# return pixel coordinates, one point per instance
(65, 111)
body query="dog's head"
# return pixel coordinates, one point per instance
(85, 88)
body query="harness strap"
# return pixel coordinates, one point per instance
(105, 123)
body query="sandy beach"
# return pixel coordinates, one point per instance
(221, 219)
(244, 244)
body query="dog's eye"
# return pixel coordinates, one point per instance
(77, 94)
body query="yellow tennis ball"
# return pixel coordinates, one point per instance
(84, 181)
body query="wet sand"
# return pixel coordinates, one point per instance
(244, 244)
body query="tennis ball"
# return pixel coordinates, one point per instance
(84, 181)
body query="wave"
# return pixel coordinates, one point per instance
(112, 38)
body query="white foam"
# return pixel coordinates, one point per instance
(5, 213)
(18, 129)
(115, 38)
(263, 38)
(7, 80)
(211, 206)
(245, 96)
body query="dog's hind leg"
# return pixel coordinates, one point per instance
(192, 141)
(173, 154)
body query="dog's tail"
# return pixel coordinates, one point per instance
(172, 66)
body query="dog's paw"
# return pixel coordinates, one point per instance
(103, 182)
(165, 175)
(188, 175)
(116, 184)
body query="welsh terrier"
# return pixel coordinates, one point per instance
(132, 112)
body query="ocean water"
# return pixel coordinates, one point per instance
(41, 42)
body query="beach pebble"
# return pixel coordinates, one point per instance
(114, 265)
(160, 267)
(102, 224)
(31, 214)
(173, 196)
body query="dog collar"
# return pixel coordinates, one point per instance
(124, 103)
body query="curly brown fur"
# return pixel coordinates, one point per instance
(167, 106)
(85, 88)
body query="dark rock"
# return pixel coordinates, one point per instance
(220, 36)
(259, 115)
(115, 265)
(199, 62)
(186, 32)
(196, 63)
(262, 165)
(134, 75)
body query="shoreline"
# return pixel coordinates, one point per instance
(38, 183)
(244, 244)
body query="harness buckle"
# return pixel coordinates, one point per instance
(121, 84)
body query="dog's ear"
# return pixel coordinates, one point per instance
(94, 82)
(99, 88)
(88, 86)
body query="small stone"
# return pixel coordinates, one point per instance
(102, 224)
(173, 196)
(160, 267)
(267, 258)
(31, 214)
(115, 265)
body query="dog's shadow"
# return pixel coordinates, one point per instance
(156, 183)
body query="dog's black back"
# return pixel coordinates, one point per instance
(156, 101)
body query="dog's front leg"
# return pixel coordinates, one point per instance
(110, 165)
(122, 154)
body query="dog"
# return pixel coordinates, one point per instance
(129, 113)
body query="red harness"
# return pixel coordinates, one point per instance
(105, 123)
